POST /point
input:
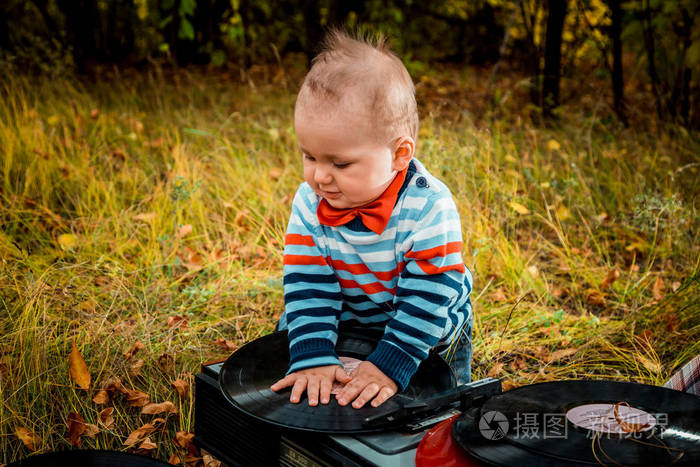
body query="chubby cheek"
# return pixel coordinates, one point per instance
(309, 176)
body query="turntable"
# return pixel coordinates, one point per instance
(435, 422)
(242, 422)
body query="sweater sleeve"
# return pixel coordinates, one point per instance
(432, 280)
(312, 295)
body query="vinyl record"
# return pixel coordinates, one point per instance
(584, 423)
(246, 377)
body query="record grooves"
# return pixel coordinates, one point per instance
(246, 377)
(511, 428)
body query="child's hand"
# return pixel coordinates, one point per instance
(368, 381)
(312, 380)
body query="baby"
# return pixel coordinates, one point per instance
(374, 240)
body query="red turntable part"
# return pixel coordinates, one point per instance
(438, 447)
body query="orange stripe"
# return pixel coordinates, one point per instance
(373, 287)
(429, 268)
(298, 239)
(361, 268)
(430, 253)
(303, 260)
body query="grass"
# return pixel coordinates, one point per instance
(131, 200)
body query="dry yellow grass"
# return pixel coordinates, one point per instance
(152, 208)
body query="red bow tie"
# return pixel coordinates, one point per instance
(375, 214)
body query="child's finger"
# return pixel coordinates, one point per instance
(341, 375)
(384, 394)
(283, 383)
(312, 390)
(367, 393)
(298, 389)
(326, 386)
(350, 391)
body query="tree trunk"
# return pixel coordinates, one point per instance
(648, 32)
(552, 56)
(617, 79)
(312, 24)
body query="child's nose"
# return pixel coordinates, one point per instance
(322, 175)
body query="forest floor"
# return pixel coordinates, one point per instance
(143, 217)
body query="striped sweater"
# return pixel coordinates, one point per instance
(410, 281)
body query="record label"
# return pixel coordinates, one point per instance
(602, 418)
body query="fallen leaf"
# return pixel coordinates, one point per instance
(519, 208)
(518, 364)
(672, 321)
(181, 386)
(91, 430)
(192, 460)
(88, 306)
(507, 385)
(156, 422)
(275, 173)
(192, 260)
(67, 241)
(133, 350)
(135, 368)
(540, 352)
(94, 113)
(495, 370)
(145, 216)
(594, 297)
(156, 143)
(612, 276)
(184, 230)
(137, 398)
(147, 445)
(174, 459)
(153, 408)
(4, 374)
(184, 439)
(551, 331)
(166, 363)
(225, 344)
(209, 461)
(139, 434)
(675, 286)
(563, 212)
(78, 369)
(76, 427)
(114, 385)
(498, 295)
(102, 397)
(28, 438)
(179, 321)
(560, 292)
(553, 145)
(561, 354)
(106, 418)
(658, 289)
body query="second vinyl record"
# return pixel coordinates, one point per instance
(578, 422)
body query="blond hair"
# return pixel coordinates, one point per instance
(365, 65)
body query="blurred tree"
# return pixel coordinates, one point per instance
(552, 56)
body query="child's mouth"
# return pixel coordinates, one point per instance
(330, 194)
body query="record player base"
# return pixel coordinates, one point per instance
(238, 439)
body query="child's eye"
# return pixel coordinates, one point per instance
(341, 166)
(309, 158)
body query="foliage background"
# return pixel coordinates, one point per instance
(149, 159)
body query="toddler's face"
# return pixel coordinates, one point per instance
(345, 161)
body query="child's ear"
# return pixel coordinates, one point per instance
(404, 147)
